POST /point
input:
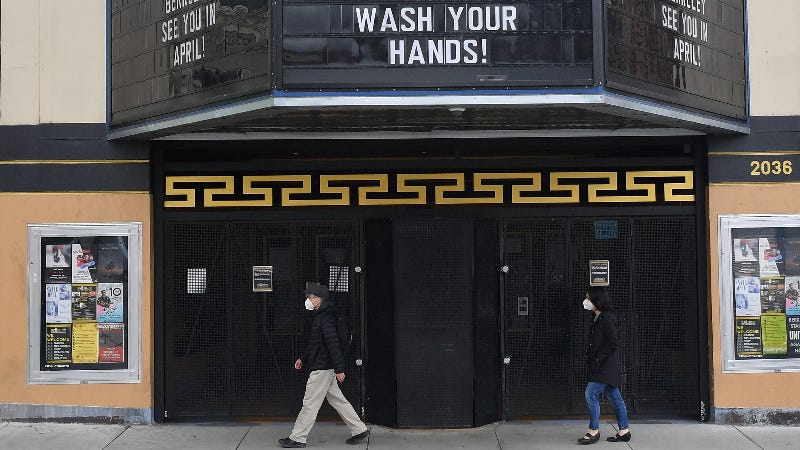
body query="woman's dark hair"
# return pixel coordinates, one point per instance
(598, 295)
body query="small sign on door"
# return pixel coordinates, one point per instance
(599, 273)
(262, 278)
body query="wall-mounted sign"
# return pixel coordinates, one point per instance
(759, 167)
(599, 273)
(688, 52)
(172, 55)
(262, 278)
(440, 43)
(606, 229)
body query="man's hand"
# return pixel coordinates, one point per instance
(298, 364)
(340, 377)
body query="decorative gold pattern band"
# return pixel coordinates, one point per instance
(449, 188)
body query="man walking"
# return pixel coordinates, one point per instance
(325, 360)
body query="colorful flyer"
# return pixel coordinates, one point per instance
(793, 336)
(773, 333)
(110, 260)
(58, 344)
(84, 342)
(57, 255)
(769, 257)
(747, 295)
(111, 342)
(110, 302)
(748, 338)
(791, 246)
(773, 291)
(58, 301)
(792, 296)
(745, 261)
(84, 300)
(83, 265)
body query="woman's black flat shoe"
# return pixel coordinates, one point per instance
(620, 438)
(589, 439)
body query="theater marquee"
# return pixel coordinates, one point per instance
(171, 57)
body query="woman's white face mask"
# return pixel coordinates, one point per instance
(309, 305)
(587, 305)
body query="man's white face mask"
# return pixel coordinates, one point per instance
(587, 305)
(309, 305)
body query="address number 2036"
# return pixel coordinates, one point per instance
(770, 167)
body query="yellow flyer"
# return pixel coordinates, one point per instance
(84, 342)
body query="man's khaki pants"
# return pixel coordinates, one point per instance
(322, 384)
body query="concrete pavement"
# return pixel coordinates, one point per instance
(545, 434)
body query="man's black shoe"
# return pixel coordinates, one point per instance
(357, 438)
(288, 443)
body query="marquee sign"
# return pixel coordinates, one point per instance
(689, 52)
(172, 55)
(433, 44)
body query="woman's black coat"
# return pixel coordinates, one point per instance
(602, 356)
(323, 352)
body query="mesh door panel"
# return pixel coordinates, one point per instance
(262, 331)
(537, 318)
(196, 322)
(327, 254)
(584, 247)
(665, 301)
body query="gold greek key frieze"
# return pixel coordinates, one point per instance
(448, 188)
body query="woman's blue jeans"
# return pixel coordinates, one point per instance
(593, 391)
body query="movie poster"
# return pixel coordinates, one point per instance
(110, 302)
(58, 303)
(111, 342)
(791, 248)
(748, 338)
(769, 257)
(773, 334)
(84, 342)
(84, 267)
(773, 291)
(793, 333)
(747, 293)
(110, 260)
(84, 302)
(57, 255)
(793, 296)
(745, 261)
(58, 344)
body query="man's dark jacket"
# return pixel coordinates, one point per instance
(602, 357)
(323, 352)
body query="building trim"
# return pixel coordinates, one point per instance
(75, 413)
(587, 98)
(756, 416)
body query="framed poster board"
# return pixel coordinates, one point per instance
(760, 292)
(84, 297)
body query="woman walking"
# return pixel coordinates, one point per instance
(605, 368)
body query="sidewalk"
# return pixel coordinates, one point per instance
(550, 435)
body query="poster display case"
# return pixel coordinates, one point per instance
(84, 292)
(760, 292)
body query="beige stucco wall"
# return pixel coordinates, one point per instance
(18, 211)
(739, 390)
(52, 66)
(773, 34)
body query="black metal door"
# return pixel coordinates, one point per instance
(229, 351)
(433, 315)
(653, 287)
